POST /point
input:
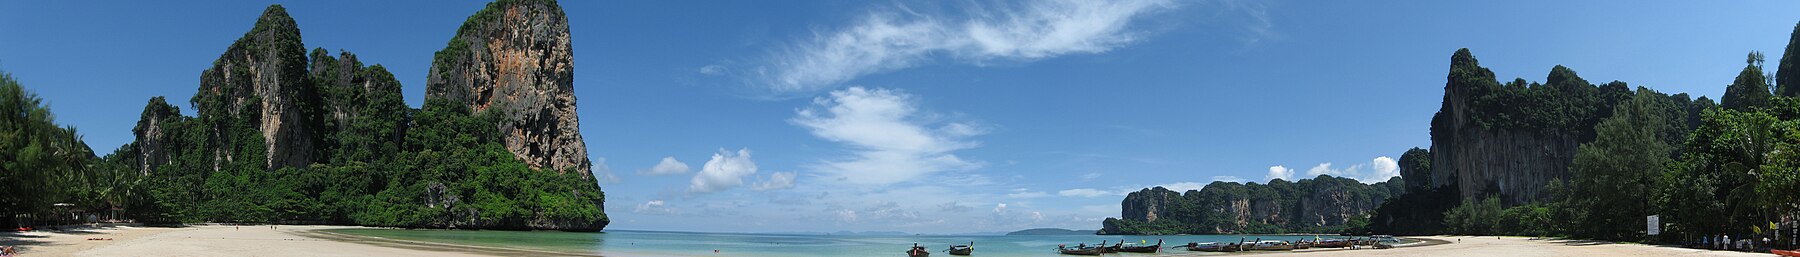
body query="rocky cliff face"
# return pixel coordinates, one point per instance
(1334, 205)
(514, 59)
(152, 134)
(1149, 204)
(1509, 141)
(262, 79)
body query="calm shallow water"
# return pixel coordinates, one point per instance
(635, 243)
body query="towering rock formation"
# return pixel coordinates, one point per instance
(1416, 164)
(1149, 204)
(262, 79)
(1510, 140)
(514, 59)
(152, 134)
(264, 107)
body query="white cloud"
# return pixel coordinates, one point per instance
(887, 41)
(1022, 194)
(1382, 168)
(653, 207)
(1085, 192)
(999, 208)
(1385, 168)
(1090, 176)
(602, 172)
(846, 215)
(1228, 179)
(712, 70)
(1279, 172)
(1183, 186)
(892, 140)
(668, 166)
(725, 170)
(778, 180)
(1323, 169)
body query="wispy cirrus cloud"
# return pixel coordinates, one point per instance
(884, 41)
(892, 140)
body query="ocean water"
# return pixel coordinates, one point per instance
(656, 243)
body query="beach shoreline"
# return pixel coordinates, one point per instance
(265, 240)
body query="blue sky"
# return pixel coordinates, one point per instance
(937, 117)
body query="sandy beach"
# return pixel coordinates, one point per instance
(1513, 247)
(214, 241)
(308, 241)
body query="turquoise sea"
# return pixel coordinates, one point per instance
(655, 243)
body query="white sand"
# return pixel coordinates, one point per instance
(67, 243)
(213, 241)
(306, 241)
(1512, 247)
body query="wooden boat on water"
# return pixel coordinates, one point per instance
(1333, 243)
(1271, 245)
(1082, 249)
(1141, 248)
(1093, 251)
(1214, 247)
(1111, 249)
(1203, 247)
(961, 249)
(918, 251)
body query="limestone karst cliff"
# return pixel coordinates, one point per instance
(514, 58)
(1320, 204)
(1511, 140)
(282, 136)
(152, 135)
(261, 79)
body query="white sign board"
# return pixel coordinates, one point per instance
(1653, 225)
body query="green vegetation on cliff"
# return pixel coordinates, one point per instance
(1704, 169)
(336, 145)
(1323, 204)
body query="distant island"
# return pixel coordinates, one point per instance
(1050, 232)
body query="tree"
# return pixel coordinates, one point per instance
(1475, 217)
(1751, 88)
(41, 163)
(1612, 174)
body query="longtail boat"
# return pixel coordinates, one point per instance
(1083, 249)
(961, 249)
(1142, 248)
(1333, 243)
(918, 251)
(1271, 245)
